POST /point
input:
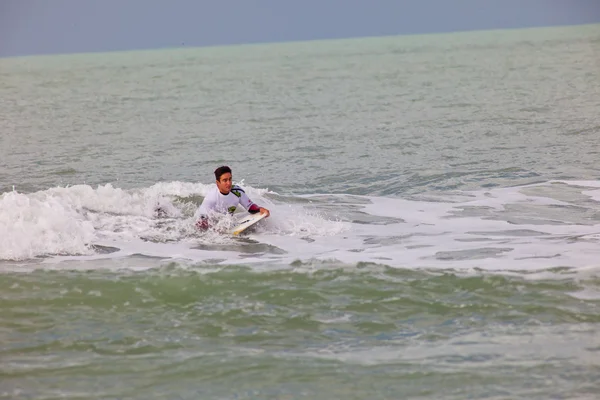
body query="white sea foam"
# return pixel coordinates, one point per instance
(503, 229)
(41, 224)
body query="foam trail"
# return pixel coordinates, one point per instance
(41, 225)
(73, 220)
(67, 220)
(526, 228)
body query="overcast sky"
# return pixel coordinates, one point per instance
(69, 26)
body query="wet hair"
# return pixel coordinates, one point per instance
(221, 170)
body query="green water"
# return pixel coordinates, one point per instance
(309, 331)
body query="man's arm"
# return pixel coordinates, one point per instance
(208, 205)
(247, 203)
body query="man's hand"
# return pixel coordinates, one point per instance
(264, 211)
(202, 224)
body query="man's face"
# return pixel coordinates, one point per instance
(224, 183)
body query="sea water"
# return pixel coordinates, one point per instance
(435, 227)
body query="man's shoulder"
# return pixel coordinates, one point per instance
(211, 193)
(237, 190)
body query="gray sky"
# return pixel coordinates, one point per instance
(69, 26)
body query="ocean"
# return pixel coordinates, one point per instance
(434, 228)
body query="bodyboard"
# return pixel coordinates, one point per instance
(246, 222)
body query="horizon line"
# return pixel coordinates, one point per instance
(293, 41)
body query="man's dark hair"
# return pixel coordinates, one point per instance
(221, 170)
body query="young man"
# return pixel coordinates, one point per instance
(225, 198)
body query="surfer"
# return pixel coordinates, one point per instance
(224, 198)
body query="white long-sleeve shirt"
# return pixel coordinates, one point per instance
(217, 202)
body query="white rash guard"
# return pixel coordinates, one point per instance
(217, 202)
